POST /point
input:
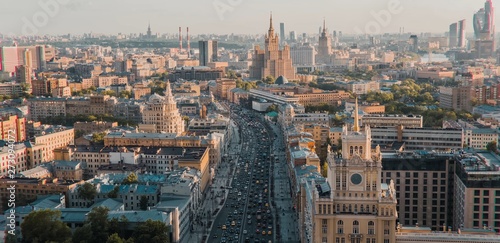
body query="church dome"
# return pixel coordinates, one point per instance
(281, 80)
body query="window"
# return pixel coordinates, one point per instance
(355, 227)
(325, 240)
(371, 228)
(340, 227)
(324, 223)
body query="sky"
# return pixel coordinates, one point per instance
(233, 16)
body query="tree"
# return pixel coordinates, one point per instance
(125, 94)
(87, 191)
(269, 79)
(109, 92)
(324, 170)
(271, 108)
(98, 138)
(83, 234)
(152, 231)
(99, 224)
(45, 226)
(114, 193)
(130, 179)
(114, 238)
(492, 146)
(119, 226)
(144, 202)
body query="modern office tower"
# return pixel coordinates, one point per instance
(324, 47)
(461, 33)
(162, 115)
(354, 206)
(271, 61)
(282, 33)
(484, 31)
(208, 52)
(453, 35)
(215, 51)
(423, 184)
(477, 191)
(413, 43)
(23, 74)
(303, 55)
(484, 22)
(9, 59)
(40, 58)
(292, 36)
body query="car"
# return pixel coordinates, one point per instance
(224, 227)
(249, 222)
(263, 232)
(249, 217)
(215, 236)
(257, 231)
(269, 232)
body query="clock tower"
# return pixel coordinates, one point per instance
(359, 209)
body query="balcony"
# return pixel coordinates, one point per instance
(355, 236)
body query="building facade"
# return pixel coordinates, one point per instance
(271, 61)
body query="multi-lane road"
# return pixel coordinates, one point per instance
(256, 205)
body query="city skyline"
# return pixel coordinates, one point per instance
(239, 17)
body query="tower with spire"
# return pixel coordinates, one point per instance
(271, 61)
(360, 207)
(162, 115)
(149, 35)
(324, 46)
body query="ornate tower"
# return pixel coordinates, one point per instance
(324, 46)
(359, 208)
(162, 114)
(271, 61)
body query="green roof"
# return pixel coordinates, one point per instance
(272, 114)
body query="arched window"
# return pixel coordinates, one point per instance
(356, 149)
(360, 149)
(355, 227)
(340, 227)
(356, 208)
(351, 150)
(371, 228)
(362, 209)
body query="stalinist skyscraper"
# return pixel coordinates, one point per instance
(324, 47)
(272, 61)
(162, 115)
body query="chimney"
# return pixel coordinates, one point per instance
(180, 39)
(188, 44)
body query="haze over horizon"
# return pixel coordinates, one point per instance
(243, 17)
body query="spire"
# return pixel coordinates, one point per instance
(356, 122)
(324, 25)
(168, 89)
(271, 22)
(271, 29)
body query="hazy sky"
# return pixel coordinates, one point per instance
(232, 16)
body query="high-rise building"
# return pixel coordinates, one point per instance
(9, 59)
(354, 206)
(413, 43)
(272, 61)
(208, 52)
(324, 47)
(292, 36)
(148, 34)
(282, 33)
(484, 28)
(461, 33)
(453, 35)
(162, 114)
(303, 54)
